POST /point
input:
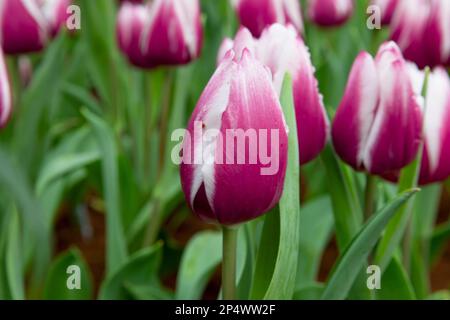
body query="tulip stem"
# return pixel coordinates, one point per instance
(229, 263)
(369, 196)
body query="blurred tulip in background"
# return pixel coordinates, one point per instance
(330, 13)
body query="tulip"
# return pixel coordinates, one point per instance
(294, 58)
(173, 33)
(258, 14)
(5, 93)
(167, 32)
(23, 26)
(55, 11)
(378, 124)
(387, 9)
(130, 24)
(422, 30)
(240, 97)
(330, 12)
(435, 164)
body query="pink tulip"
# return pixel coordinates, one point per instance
(223, 181)
(378, 124)
(23, 26)
(5, 93)
(293, 58)
(130, 24)
(165, 32)
(387, 8)
(436, 157)
(173, 33)
(422, 30)
(330, 12)
(258, 14)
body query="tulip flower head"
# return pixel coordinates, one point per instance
(5, 93)
(23, 26)
(164, 32)
(235, 147)
(293, 58)
(329, 13)
(55, 12)
(422, 30)
(256, 15)
(378, 124)
(435, 164)
(387, 9)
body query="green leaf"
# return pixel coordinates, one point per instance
(148, 292)
(439, 295)
(346, 205)
(310, 292)
(440, 237)
(14, 259)
(141, 269)
(116, 245)
(353, 258)
(282, 283)
(315, 230)
(56, 285)
(395, 284)
(62, 165)
(201, 256)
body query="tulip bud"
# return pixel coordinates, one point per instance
(235, 147)
(435, 164)
(5, 93)
(387, 9)
(55, 11)
(294, 58)
(378, 124)
(130, 24)
(173, 32)
(258, 14)
(330, 12)
(437, 35)
(23, 26)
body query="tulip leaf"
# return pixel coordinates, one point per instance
(282, 283)
(116, 251)
(146, 292)
(395, 284)
(57, 284)
(355, 255)
(140, 269)
(14, 259)
(440, 295)
(315, 230)
(439, 239)
(310, 292)
(201, 256)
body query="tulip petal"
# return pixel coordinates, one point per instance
(356, 113)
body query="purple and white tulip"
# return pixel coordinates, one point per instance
(378, 124)
(23, 26)
(219, 179)
(329, 13)
(164, 32)
(422, 30)
(294, 58)
(387, 9)
(436, 156)
(5, 93)
(256, 15)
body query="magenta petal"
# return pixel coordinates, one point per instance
(355, 115)
(257, 14)
(387, 8)
(395, 135)
(5, 93)
(437, 39)
(23, 27)
(55, 11)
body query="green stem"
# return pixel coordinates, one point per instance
(154, 224)
(167, 98)
(148, 128)
(370, 196)
(229, 263)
